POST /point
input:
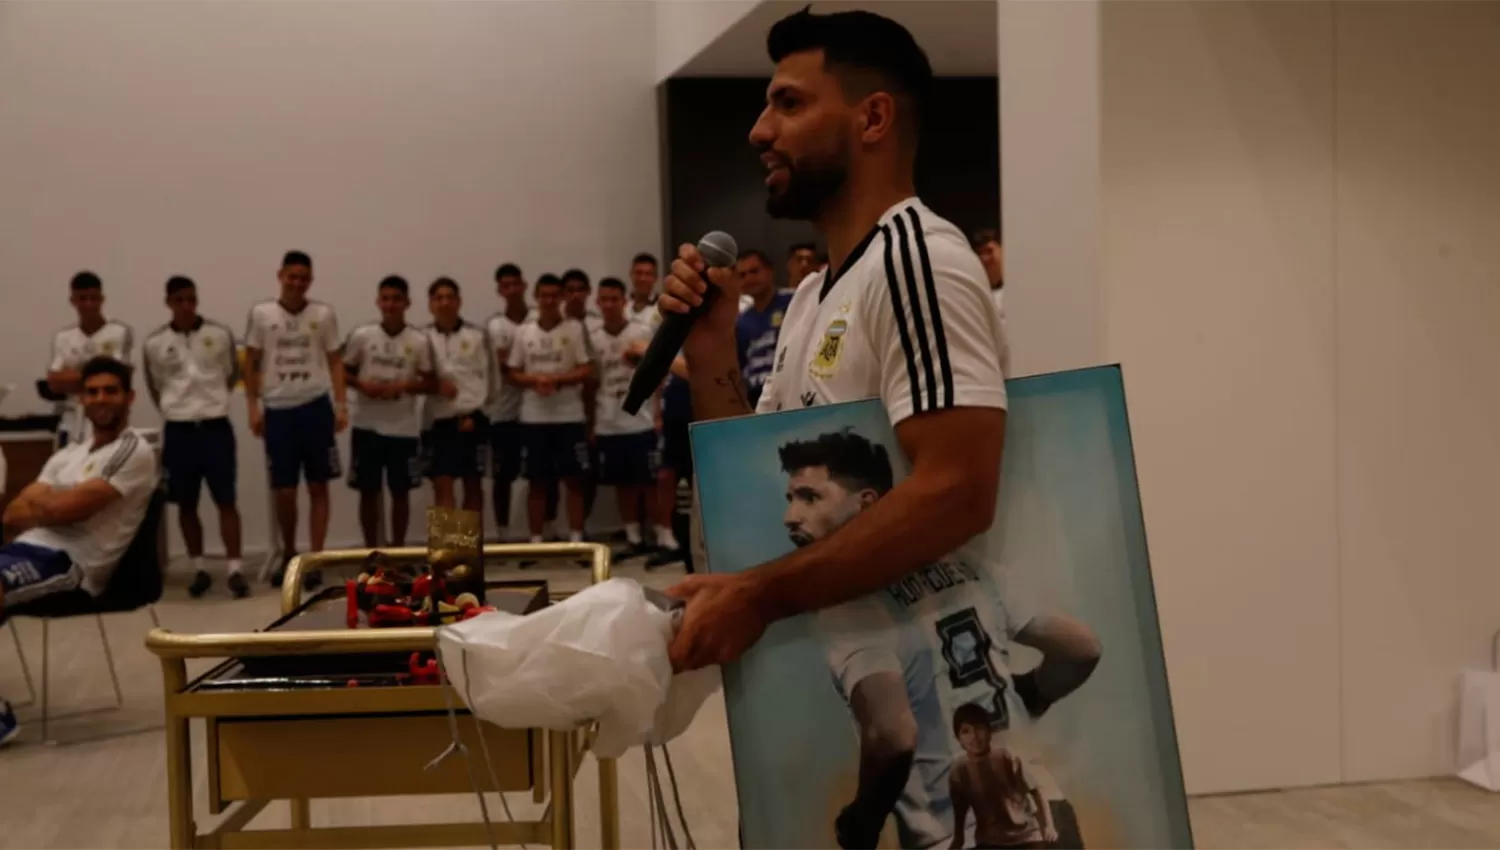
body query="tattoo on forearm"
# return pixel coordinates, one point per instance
(733, 384)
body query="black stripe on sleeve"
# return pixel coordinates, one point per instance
(900, 316)
(940, 338)
(128, 442)
(923, 344)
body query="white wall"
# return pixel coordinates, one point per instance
(1418, 183)
(142, 140)
(1299, 239)
(685, 27)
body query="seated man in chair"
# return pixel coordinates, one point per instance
(75, 521)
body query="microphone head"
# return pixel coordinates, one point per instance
(719, 249)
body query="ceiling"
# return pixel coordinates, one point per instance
(960, 36)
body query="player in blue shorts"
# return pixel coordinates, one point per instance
(294, 388)
(626, 444)
(191, 368)
(389, 363)
(550, 362)
(456, 440)
(505, 401)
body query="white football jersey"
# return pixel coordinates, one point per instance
(505, 402)
(71, 348)
(190, 373)
(294, 351)
(95, 544)
(648, 315)
(379, 355)
(909, 320)
(614, 381)
(465, 356)
(551, 352)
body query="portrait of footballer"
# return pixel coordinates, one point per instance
(924, 670)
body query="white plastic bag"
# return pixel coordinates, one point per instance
(1479, 724)
(598, 655)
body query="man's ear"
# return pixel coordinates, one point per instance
(867, 497)
(878, 115)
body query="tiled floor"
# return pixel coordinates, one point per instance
(106, 786)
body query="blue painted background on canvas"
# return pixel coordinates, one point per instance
(1070, 531)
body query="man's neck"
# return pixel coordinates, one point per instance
(850, 215)
(447, 326)
(579, 315)
(292, 308)
(90, 326)
(763, 300)
(641, 302)
(105, 436)
(997, 284)
(185, 326)
(548, 324)
(516, 311)
(393, 326)
(616, 324)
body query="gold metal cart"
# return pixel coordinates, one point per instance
(296, 740)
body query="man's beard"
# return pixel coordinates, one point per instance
(106, 420)
(801, 538)
(809, 185)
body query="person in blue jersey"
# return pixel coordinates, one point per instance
(759, 325)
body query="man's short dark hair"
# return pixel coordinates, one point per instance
(801, 246)
(103, 365)
(442, 283)
(547, 279)
(85, 280)
(612, 283)
(644, 257)
(296, 258)
(578, 275)
(866, 51)
(396, 282)
(984, 237)
(970, 714)
(507, 270)
(757, 254)
(176, 283)
(853, 461)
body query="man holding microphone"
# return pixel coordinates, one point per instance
(903, 314)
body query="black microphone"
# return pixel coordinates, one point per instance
(719, 251)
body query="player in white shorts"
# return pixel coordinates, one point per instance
(389, 364)
(911, 657)
(73, 346)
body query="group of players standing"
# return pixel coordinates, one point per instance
(534, 393)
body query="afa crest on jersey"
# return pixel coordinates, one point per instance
(826, 361)
(776, 318)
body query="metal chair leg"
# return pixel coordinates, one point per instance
(45, 647)
(25, 668)
(151, 609)
(109, 658)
